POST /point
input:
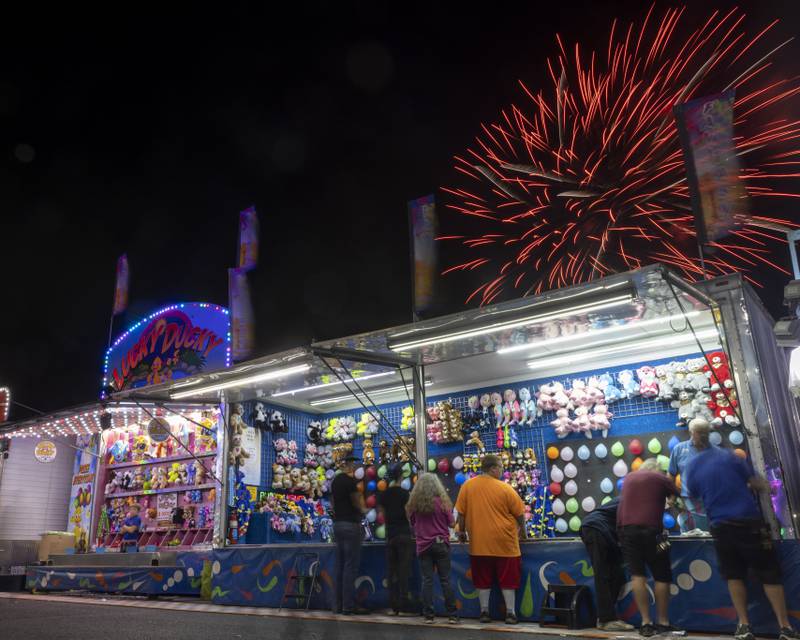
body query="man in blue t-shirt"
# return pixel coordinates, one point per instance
(695, 515)
(742, 540)
(130, 529)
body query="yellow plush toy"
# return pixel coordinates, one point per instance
(407, 422)
(174, 473)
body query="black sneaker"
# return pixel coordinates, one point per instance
(511, 618)
(668, 628)
(787, 633)
(648, 630)
(429, 619)
(485, 617)
(744, 632)
(452, 619)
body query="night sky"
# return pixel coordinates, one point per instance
(149, 133)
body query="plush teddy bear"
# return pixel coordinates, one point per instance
(384, 452)
(475, 438)
(560, 397)
(594, 391)
(407, 421)
(600, 419)
(260, 420)
(563, 424)
(724, 410)
(277, 476)
(277, 424)
(314, 432)
(696, 379)
(611, 392)
(582, 423)
(367, 426)
(162, 480)
(718, 372)
(627, 383)
(368, 454)
(679, 372)
(113, 484)
(648, 386)
(665, 379)
(683, 404)
(577, 394)
(700, 408)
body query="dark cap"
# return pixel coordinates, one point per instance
(396, 471)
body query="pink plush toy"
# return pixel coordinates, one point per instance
(563, 424)
(578, 396)
(601, 418)
(582, 421)
(497, 407)
(511, 409)
(544, 398)
(594, 391)
(648, 384)
(560, 396)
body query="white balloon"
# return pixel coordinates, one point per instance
(359, 473)
(458, 463)
(558, 507)
(406, 484)
(571, 488)
(561, 525)
(371, 515)
(588, 504)
(620, 468)
(583, 452)
(567, 454)
(601, 451)
(606, 486)
(715, 438)
(570, 470)
(556, 474)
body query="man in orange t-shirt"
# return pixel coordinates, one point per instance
(493, 515)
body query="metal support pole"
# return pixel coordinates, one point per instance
(420, 423)
(220, 503)
(793, 237)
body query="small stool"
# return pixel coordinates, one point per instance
(571, 606)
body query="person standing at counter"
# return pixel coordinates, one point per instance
(742, 538)
(640, 520)
(130, 529)
(399, 544)
(348, 510)
(684, 452)
(599, 535)
(493, 516)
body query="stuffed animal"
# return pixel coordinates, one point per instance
(276, 423)
(594, 391)
(314, 432)
(367, 426)
(696, 379)
(281, 451)
(486, 414)
(475, 438)
(368, 454)
(560, 397)
(384, 453)
(683, 404)
(511, 409)
(600, 419)
(648, 386)
(113, 484)
(679, 372)
(237, 453)
(162, 480)
(119, 451)
(497, 408)
(578, 396)
(724, 410)
(627, 384)
(545, 400)
(563, 424)
(665, 379)
(292, 452)
(174, 473)
(310, 458)
(140, 448)
(700, 408)
(611, 392)
(718, 372)
(582, 422)
(260, 420)
(407, 421)
(528, 410)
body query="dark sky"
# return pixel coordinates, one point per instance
(147, 134)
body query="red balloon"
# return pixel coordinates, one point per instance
(380, 519)
(370, 473)
(635, 447)
(444, 465)
(555, 488)
(370, 502)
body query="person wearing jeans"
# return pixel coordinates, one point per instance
(431, 514)
(399, 543)
(348, 509)
(694, 517)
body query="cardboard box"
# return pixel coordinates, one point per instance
(54, 543)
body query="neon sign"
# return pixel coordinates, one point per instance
(175, 342)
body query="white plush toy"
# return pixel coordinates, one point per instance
(600, 419)
(665, 379)
(563, 423)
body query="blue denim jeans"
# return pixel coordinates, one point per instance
(348, 537)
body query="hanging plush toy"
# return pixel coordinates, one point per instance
(600, 420)
(561, 398)
(314, 432)
(276, 423)
(696, 379)
(648, 386)
(384, 452)
(684, 406)
(260, 420)
(582, 422)
(724, 410)
(718, 372)
(528, 409)
(407, 421)
(627, 383)
(594, 391)
(511, 409)
(611, 392)
(563, 424)
(475, 439)
(486, 414)
(497, 408)
(665, 379)
(368, 453)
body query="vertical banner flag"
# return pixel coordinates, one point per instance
(705, 128)
(121, 292)
(84, 472)
(241, 308)
(422, 224)
(248, 239)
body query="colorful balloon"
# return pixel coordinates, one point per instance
(606, 486)
(381, 485)
(588, 504)
(600, 451)
(669, 520)
(715, 438)
(570, 470)
(654, 446)
(740, 453)
(583, 452)
(678, 481)
(736, 438)
(561, 525)
(380, 519)
(556, 474)
(370, 473)
(617, 449)
(380, 532)
(552, 453)
(672, 442)
(372, 485)
(575, 523)
(444, 465)
(635, 447)
(371, 515)
(431, 465)
(555, 488)
(382, 471)
(663, 462)
(359, 474)
(460, 478)
(606, 500)
(558, 507)
(406, 484)
(637, 462)
(567, 454)
(458, 463)
(571, 488)
(371, 502)
(572, 505)
(620, 469)
(620, 482)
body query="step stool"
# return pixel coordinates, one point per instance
(571, 606)
(303, 579)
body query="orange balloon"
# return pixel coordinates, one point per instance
(361, 487)
(413, 479)
(636, 464)
(552, 452)
(678, 481)
(741, 453)
(381, 485)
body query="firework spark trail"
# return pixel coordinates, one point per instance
(587, 177)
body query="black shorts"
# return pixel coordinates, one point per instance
(743, 544)
(640, 551)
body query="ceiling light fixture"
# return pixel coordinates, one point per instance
(239, 382)
(351, 396)
(331, 384)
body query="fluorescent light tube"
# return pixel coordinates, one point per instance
(503, 325)
(330, 384)
(260, 377)
(599, 332)
(582, 355)
(377, 392)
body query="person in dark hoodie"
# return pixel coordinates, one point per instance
(599, 535)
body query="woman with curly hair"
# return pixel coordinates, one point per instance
(430, 512)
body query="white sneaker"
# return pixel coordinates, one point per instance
(615, 625)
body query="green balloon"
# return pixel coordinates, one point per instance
(572, 505)
(380, 532)
(574, 523)
(382, 471)
(407, 469)
(617, 449)
(431, 465)
(606, 500)
(654, 446)
(663, 463)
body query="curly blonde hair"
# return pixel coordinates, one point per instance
(422, 496)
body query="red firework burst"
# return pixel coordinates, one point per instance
(588, 178)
